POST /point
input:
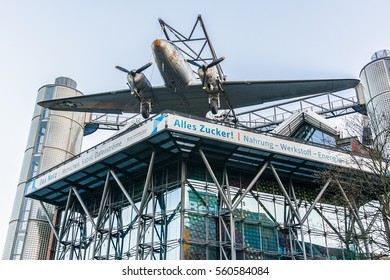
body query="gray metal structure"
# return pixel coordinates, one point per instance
(175, 187)
(47, 145)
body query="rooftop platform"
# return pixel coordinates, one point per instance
(172, 136)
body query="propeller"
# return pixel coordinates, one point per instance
(204, 67)
(133, 72)
(215, 62)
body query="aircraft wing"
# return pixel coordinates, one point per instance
(193, 99)
(247, 93)
(114, 102)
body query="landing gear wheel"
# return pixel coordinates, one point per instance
(214, 106)
(145, 110)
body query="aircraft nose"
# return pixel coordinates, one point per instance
(157, 43)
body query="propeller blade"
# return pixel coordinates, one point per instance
(132, 86)
(122, 69)
(132, 74)
(192, 62)
(139, 70)
(204, 81)
(215, 62)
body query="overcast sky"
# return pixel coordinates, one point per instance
(83, 40)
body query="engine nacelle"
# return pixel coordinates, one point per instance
(140, 82)
(210, 80)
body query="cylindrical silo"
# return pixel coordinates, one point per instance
(375, 78)
(54, 137)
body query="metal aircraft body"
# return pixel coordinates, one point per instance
(183, 92)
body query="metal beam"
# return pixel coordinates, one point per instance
(100, 213)
(225, 199)
(124, 191)
(250, 185)
(373, 220)
(330, 225)
(231, 216)
(50, 221)
(147, 182)
(142, 205)
(63, 223)
(84, 207)
(359, 222)
(300, 220)
(257, 198)
(183, 178)
(285, 194)
(315, 201)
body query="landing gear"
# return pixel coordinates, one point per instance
(145, 110)
(214, 102)
(145, 107)
(214, 105)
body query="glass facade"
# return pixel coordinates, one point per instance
(308, 133)
(47, 145)
(189, 221)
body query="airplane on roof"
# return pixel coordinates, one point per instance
(184, 92)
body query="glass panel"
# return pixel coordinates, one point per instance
(311, 134)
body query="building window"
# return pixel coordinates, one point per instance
(308, 133)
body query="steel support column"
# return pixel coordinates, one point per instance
(84, 207)
(101, 212)
(315, 201)
(358, 220)
(226, 199)
(249, 187)
(49, 221)
(183, 179)
(129, 199)
(299, 219)
(142, 216)
(210, 170)
(62, 228)
(232, 222)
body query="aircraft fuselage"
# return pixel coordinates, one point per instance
(175, 71)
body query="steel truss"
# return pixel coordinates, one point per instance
(329, 105)
(128, 222)
(197, 47)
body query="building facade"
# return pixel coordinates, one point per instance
(175, 187)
